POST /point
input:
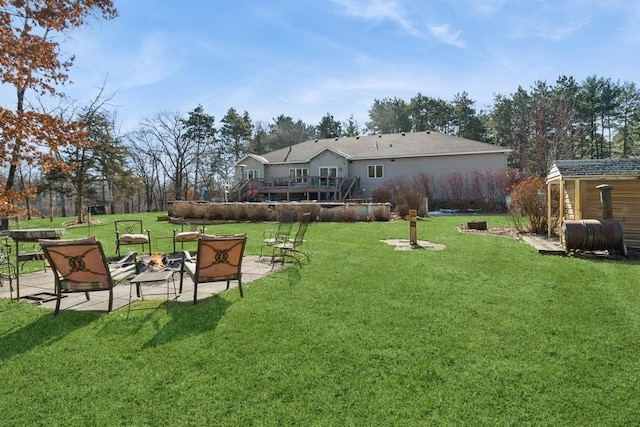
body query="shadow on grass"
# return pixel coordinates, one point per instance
(187, 319)
(41, 331)
(293, 276)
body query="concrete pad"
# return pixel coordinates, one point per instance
(405, 245)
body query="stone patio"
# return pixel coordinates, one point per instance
(40, 284)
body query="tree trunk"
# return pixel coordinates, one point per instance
(11, 175)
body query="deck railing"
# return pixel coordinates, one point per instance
(346, 187)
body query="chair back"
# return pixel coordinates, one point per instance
(219, 258)
(302, 229)
(285, 225)
(77, 262)
(131, 232)
(129, 226)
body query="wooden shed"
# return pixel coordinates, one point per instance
(580, 199)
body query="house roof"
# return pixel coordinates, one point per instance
(594, 169)
(398, 145)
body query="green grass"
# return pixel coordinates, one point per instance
(485, 332)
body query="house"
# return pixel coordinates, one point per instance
(579, 197)
(339, 169)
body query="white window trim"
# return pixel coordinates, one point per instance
(254, 172)
(375, 171)
(303, 178)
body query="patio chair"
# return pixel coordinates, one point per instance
(281, 234)
(8, 271)
(296, 248)
(219, 259)
(81, 266)
(131, 232)
(190, 232)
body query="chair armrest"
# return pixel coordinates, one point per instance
(186, 257)
(128, 259)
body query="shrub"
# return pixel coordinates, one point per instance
(381, 195)
(182, 210)
(257, 212)
(326, 214)
(346, 214)
(412, 198)
(240, 211)
(314, 210)
(528, 205)
(379, 213)
(402, 209)
(199, 210)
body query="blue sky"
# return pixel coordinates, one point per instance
(308, 58)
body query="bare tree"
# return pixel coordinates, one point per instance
(148, 160)
(174, 153)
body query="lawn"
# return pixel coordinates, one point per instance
(485, 332)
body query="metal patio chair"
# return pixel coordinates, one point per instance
(81, 266)
(295, 248)
(189, 232)
(131, 232)
(279, 235)
(219, 259)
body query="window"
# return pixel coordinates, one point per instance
(375, 171)
(328, 175)
(299, 175)
(251, 174)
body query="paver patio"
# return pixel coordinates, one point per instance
(253, 268)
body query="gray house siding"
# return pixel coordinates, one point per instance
(434, 167)
(329, 159)
(392, 156)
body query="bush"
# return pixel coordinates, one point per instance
(402, 210)
(380, 213)
(381, 195)
(214, 212)
(257, 212)
(528, 205)
(182, 210)
(326, 215)
(346, 214)
(412, 198)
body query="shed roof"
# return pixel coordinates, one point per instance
(398, 145)
(594, 169)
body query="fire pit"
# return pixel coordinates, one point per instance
(159, 262)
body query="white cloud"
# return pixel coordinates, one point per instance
(444, 34)
(379, 10)
(150, 63)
